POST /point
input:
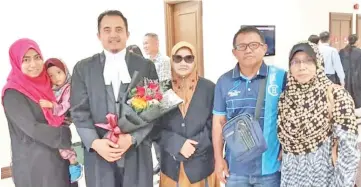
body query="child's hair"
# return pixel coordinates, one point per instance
(55, 62)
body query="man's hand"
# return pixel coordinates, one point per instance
(188, 148)
(221, 169)
(45, 103)
(124, 142)
(107, 149)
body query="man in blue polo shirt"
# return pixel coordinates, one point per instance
(236, 92)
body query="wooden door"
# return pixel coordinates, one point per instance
(340, 29)
(184, 23)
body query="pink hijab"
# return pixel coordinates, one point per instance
(34, 88)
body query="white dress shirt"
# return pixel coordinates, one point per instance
(115, 71)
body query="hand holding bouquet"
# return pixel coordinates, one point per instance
(145, 101)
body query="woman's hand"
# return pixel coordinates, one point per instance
(46, 104)
(188, 148)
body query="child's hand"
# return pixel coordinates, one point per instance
(46, 104)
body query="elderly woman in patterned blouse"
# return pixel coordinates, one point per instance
(312, 113)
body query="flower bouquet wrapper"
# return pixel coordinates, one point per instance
(169, 102)
(144, 102)
(129, 120)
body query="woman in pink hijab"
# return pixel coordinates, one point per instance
(36, 161)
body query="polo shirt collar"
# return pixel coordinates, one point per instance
(263, 71)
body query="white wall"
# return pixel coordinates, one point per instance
(295, 20)
(67, 29)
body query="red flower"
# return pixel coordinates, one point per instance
(153, 86)
(158, 96)
(148, 97)
(140, 91)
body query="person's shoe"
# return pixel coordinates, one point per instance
(156, 169)
(76, 172)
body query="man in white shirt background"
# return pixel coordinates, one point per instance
(161, 62)
(333, 66)
(162, 65)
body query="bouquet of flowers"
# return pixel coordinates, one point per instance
(153, 99)
(144, 102)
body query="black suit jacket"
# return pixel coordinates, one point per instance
(89, 106)
(174, 130)
(88, 93)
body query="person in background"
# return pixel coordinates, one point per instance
(236, 93)
(163, 67)
(161, 62)
(316, 116)
(185, 135)
(98, 84)
(35, 142)
(333, 67)
(351, 62)
(314, 39)
(134, 49)
(60, 79)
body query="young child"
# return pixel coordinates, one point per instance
(60, 78)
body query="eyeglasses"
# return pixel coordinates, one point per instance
(252, 46)
(178, 58)
(308, 61)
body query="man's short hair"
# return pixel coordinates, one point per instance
(248, 29)
(324, 36)
(314, 39)
(153, 35)
(112, 13)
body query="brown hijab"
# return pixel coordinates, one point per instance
(184, 87)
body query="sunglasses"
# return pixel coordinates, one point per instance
(178, 58)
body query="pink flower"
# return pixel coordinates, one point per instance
(148, 98)
(158, 96)
(140, 91)
(153, 86)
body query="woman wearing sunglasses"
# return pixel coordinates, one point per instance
(185, 134)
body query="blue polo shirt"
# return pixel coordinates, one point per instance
(235, 94)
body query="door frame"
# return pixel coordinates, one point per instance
(340, 16)
(358, 16)
(6, 172)
(169, 30)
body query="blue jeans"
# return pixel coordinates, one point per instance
(272, 180)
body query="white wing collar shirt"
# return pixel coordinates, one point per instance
(115, 70)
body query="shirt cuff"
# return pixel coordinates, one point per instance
(219, 113)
